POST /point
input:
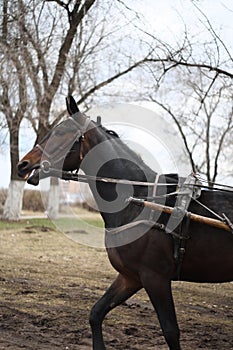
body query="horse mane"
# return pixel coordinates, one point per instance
(112, 135)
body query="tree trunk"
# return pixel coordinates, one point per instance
(53, 199)
(14, 201)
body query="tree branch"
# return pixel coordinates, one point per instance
(110, 80)
(76, 18)
(184, 138)
(218, 70)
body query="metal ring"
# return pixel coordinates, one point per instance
(45, 166)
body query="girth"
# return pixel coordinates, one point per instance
(178, 224)
(180, 237)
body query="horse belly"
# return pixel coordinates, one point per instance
(152, 252)
(208, 257)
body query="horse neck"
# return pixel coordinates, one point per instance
(115, 160)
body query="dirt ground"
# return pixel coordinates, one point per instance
(49, 283)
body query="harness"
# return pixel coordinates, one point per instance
(187, 189)
(182, 221)
(178, 224)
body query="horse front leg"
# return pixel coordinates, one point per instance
(121, 289)
(159, 291)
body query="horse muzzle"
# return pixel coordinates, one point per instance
(29, 172)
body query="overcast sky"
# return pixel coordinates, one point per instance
(167, 20)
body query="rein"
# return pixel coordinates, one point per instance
(69, 176)
(200, 178)
(66, 175)
(214, 185)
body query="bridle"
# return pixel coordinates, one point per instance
(76, 133)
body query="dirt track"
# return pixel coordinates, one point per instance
(49, 283)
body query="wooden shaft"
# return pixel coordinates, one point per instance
(194, 217)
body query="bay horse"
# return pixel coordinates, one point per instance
(142, 254)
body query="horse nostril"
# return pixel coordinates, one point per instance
(23, 165)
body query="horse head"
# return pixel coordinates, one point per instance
(63, 147)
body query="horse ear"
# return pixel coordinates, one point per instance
(71, 105)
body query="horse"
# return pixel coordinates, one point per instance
(139, 249)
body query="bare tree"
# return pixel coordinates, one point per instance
(13, 99)
(192, 83)
(204, 122)
(69, 55)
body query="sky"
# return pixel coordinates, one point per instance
(167, 20)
